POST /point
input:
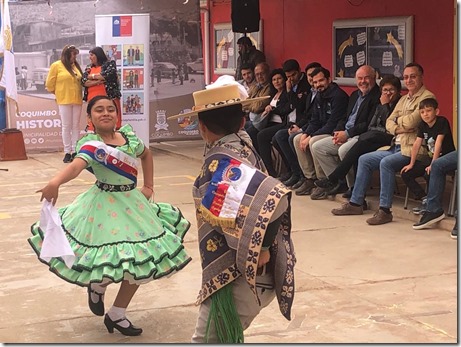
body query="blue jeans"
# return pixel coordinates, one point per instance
(285, 144)
(388, 162)
(439, 169)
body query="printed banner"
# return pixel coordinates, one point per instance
(158, 72)
(130, 36)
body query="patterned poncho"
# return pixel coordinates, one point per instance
(235, 200)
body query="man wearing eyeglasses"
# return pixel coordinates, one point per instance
(403, 124)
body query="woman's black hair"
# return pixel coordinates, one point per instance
(224, 120)
(96, 99)
(275, 72)
(101, 57)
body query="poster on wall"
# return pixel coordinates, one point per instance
(170, 61)
(131, 34)
(384, 43)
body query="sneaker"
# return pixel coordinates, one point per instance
(298, 184)
(292, 180)
(325, 183)
(67, 158)
(306, 187)
(422, 208)
(319, 194)
(380, 217)
(428, 219)
(347, 209)
(454, 233)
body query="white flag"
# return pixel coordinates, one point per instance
(8, 73)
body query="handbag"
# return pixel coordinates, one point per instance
(260, 120)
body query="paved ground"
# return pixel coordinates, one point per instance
(354, 283)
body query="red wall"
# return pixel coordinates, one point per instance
(302, 29)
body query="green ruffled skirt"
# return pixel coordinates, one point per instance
(118, 236)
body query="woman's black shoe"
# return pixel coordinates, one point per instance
(67, 158)
(130, 331)
(73, 156)
(98, 307)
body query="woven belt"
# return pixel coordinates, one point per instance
(115, 188)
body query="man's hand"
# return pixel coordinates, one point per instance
(289, 85)
(339, 137)
(264, 258)
(293, 129)
(304, 142)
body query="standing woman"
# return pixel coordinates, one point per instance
(63, 81)
(101, 78)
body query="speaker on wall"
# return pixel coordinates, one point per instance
(245, 16)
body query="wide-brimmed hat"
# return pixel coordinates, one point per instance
(217, 97)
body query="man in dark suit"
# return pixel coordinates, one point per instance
(283, 139)
(362, 105)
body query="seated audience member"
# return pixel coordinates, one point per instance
(402, 123)
(332, 149)
(375, 137)
(330, 105)
(297, 88)
(248, 76)
(435, 134)
(283, 139)
(272, 119)
(440, 167)
(262, 87)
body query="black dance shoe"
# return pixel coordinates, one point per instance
(98, 307)
(67, 158)
(130, 331)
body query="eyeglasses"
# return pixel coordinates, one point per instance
(388, 90)
(408, 77)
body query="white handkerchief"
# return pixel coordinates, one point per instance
(55, 243)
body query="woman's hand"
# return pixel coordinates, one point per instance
(49, 192)
(148, 192)
(268, 108)
(264, 257)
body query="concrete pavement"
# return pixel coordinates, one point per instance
(354, 283)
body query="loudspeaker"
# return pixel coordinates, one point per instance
(245, 16)
(12, 145)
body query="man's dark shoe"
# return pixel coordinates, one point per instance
(348, 194)
(285, 176)
(428, 219)
(319, 194)
(67, 158)
(325, 183)
(298, 184)
(338, 189)
(306, 187)
(292, 180)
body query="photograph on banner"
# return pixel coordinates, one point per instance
(133, 55)
(133, 103)
(39, 36)
(113, 52)
(133, 78)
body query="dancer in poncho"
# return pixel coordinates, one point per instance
(243, 216)
(118, 234)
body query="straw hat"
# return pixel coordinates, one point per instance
(217, 96)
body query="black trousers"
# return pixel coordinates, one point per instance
(409, 177)
(363, 145)
(262, 142)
